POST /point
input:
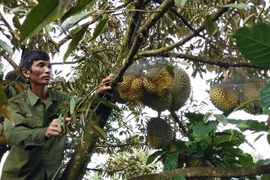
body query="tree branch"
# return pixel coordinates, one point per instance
(10, 61)
(176, 119)
(189, 37)
(207, 172)
(5, 22)
(81, 157)
(141, 34)
(205, 60)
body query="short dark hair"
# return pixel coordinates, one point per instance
(29, 57)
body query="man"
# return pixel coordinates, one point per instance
(38, 145)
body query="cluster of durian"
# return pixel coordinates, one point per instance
(157, 89)
(159, 133)
(225, 96)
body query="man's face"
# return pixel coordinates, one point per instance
(41, 71)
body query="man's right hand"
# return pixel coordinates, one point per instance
(52, 129)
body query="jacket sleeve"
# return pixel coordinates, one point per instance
(23, 133)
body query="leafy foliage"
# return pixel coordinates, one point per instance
(254, 43)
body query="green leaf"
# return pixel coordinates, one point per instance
(252, 125)
(264, 162)
(209, 24)
(201, 130)
(229, 111)
(258, 137)
(99, 132)
(59, 121)
(268, 138)
(72, 105)
(16, 22)
(63, 4)
(41, 15)
(264, 97)
(75, 41)
(6, 47)
(265, 176)
(99, 28)
(153, 156)
(109, 104)
(1, 66)
(245, 159)
(238, 6)
(3, 96)
(253, 42)
(171, 162)
(244, 104)
(180, 3)
(249, 18)
(229, 137)
(80, 7)
(4, 110)
(195, 117)
(170, 70)
(221, 118)
(207, 117)
(180, 177)
(73, 20)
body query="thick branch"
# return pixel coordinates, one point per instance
(176, 119)
(5, 22)
(189, 37)
(207, 172)
(133, 25)
(10, 61)
(81, 157)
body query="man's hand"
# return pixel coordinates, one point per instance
(52, 129)
(104, 84)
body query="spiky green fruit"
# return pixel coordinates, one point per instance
(227, 95)
(158, 90)
(250, 91)
(181, 89)
(15, 76)
(131, 88)
(159, 133)
(224, 96)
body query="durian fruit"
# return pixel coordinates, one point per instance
(224, 96)
(159, 133)
(131, 88)
(249, 91)
(158, 89)
(15, 76)
(181, 89)
(227, 95)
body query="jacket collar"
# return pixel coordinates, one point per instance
(33, 98)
